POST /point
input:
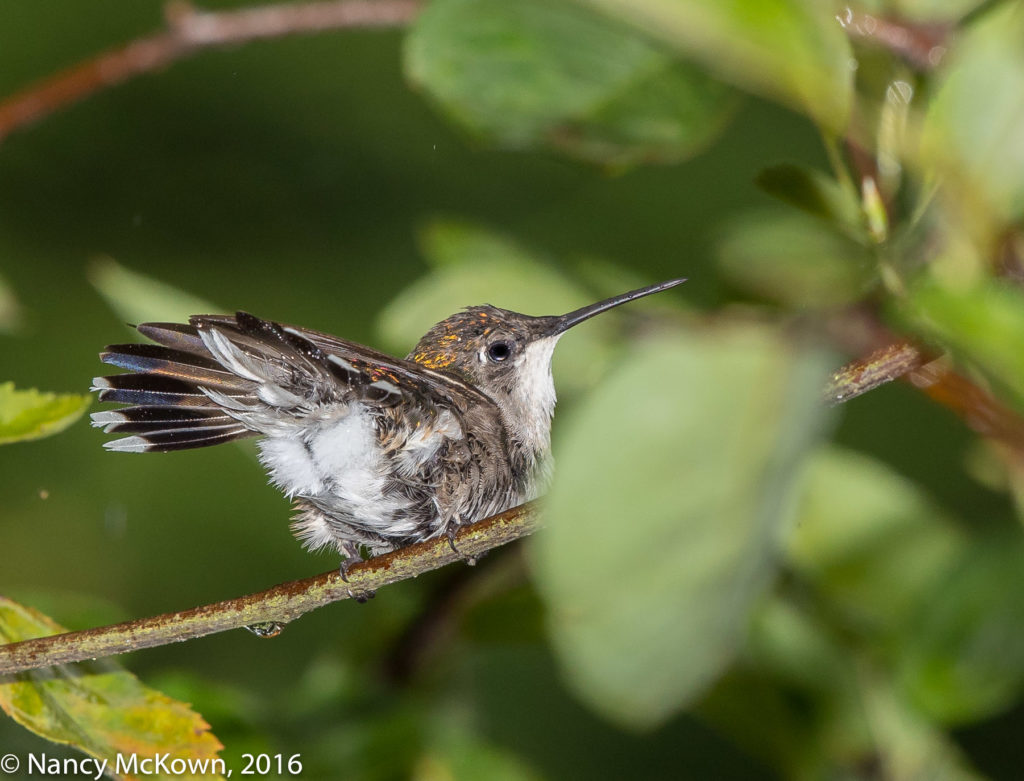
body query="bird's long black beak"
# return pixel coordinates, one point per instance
(565, 322)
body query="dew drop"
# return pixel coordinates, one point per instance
(266, 629)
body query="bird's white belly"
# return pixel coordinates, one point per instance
(340, 462)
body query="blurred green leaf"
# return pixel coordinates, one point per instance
(383, 737)
(870, 542)
(815, 193)
(228, 705)
(808, 715)
(607, 279)
(789, 258)
(99, 708)
(474, 266)
(456, 754)
(792, 50)
(982, 323)
(757, 713)
(546, 73)
(10, 311)
(963, 657)
(972, 132)
(875, 213)
(896, 123)
(903, 741)
(818, 704)
(673, 479)
(787, 641)
(455, 243)
(81, 608)
(138, 298)
(31, 414)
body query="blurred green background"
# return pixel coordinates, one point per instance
(299, 179)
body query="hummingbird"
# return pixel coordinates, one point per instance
(375, 452)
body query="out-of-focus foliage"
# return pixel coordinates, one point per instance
(870, 544)
(972, 132)
(816, 193)
(963, 658)
(785, 257)
(138, 298)
(535, 74)
(680, 517)
(789, 49)
(99, 708)
(29, 414)
(983, 323)
(473, 264)
(720, 593)
(10, 312)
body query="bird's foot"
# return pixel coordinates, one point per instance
(450, 534)
(353, 556)
(453, 529)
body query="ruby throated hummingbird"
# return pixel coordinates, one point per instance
(377, 452)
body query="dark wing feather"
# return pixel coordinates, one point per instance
(221, 378)
(178, 336)
(356, 365)
(169, 409)
(156, 360)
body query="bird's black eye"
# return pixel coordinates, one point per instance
(499, 351)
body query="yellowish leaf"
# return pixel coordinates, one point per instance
(104, 711)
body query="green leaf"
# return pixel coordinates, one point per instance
(982, 323)
(791, 50)
(908, 743)
(538, 73)
(794, 696)
(138, 299)
(97, 708)
(673, 479)
(31, 414)
(10, 311)
(816, 194)
(972, 132)
(816, 703)
(789, 258)
(474, 266)
(450, 243)
(963, 657)
(870, 542)
(455, 754)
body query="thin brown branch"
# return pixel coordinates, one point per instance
(271, 609)
(860, 332)
(981, 411)
(883, 365)
(189, 31)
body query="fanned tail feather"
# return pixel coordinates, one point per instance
(166, 388)
(220, 378)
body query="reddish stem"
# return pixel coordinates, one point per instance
(189, 31)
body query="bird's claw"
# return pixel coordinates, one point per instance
(352, 556)
(450, 534)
